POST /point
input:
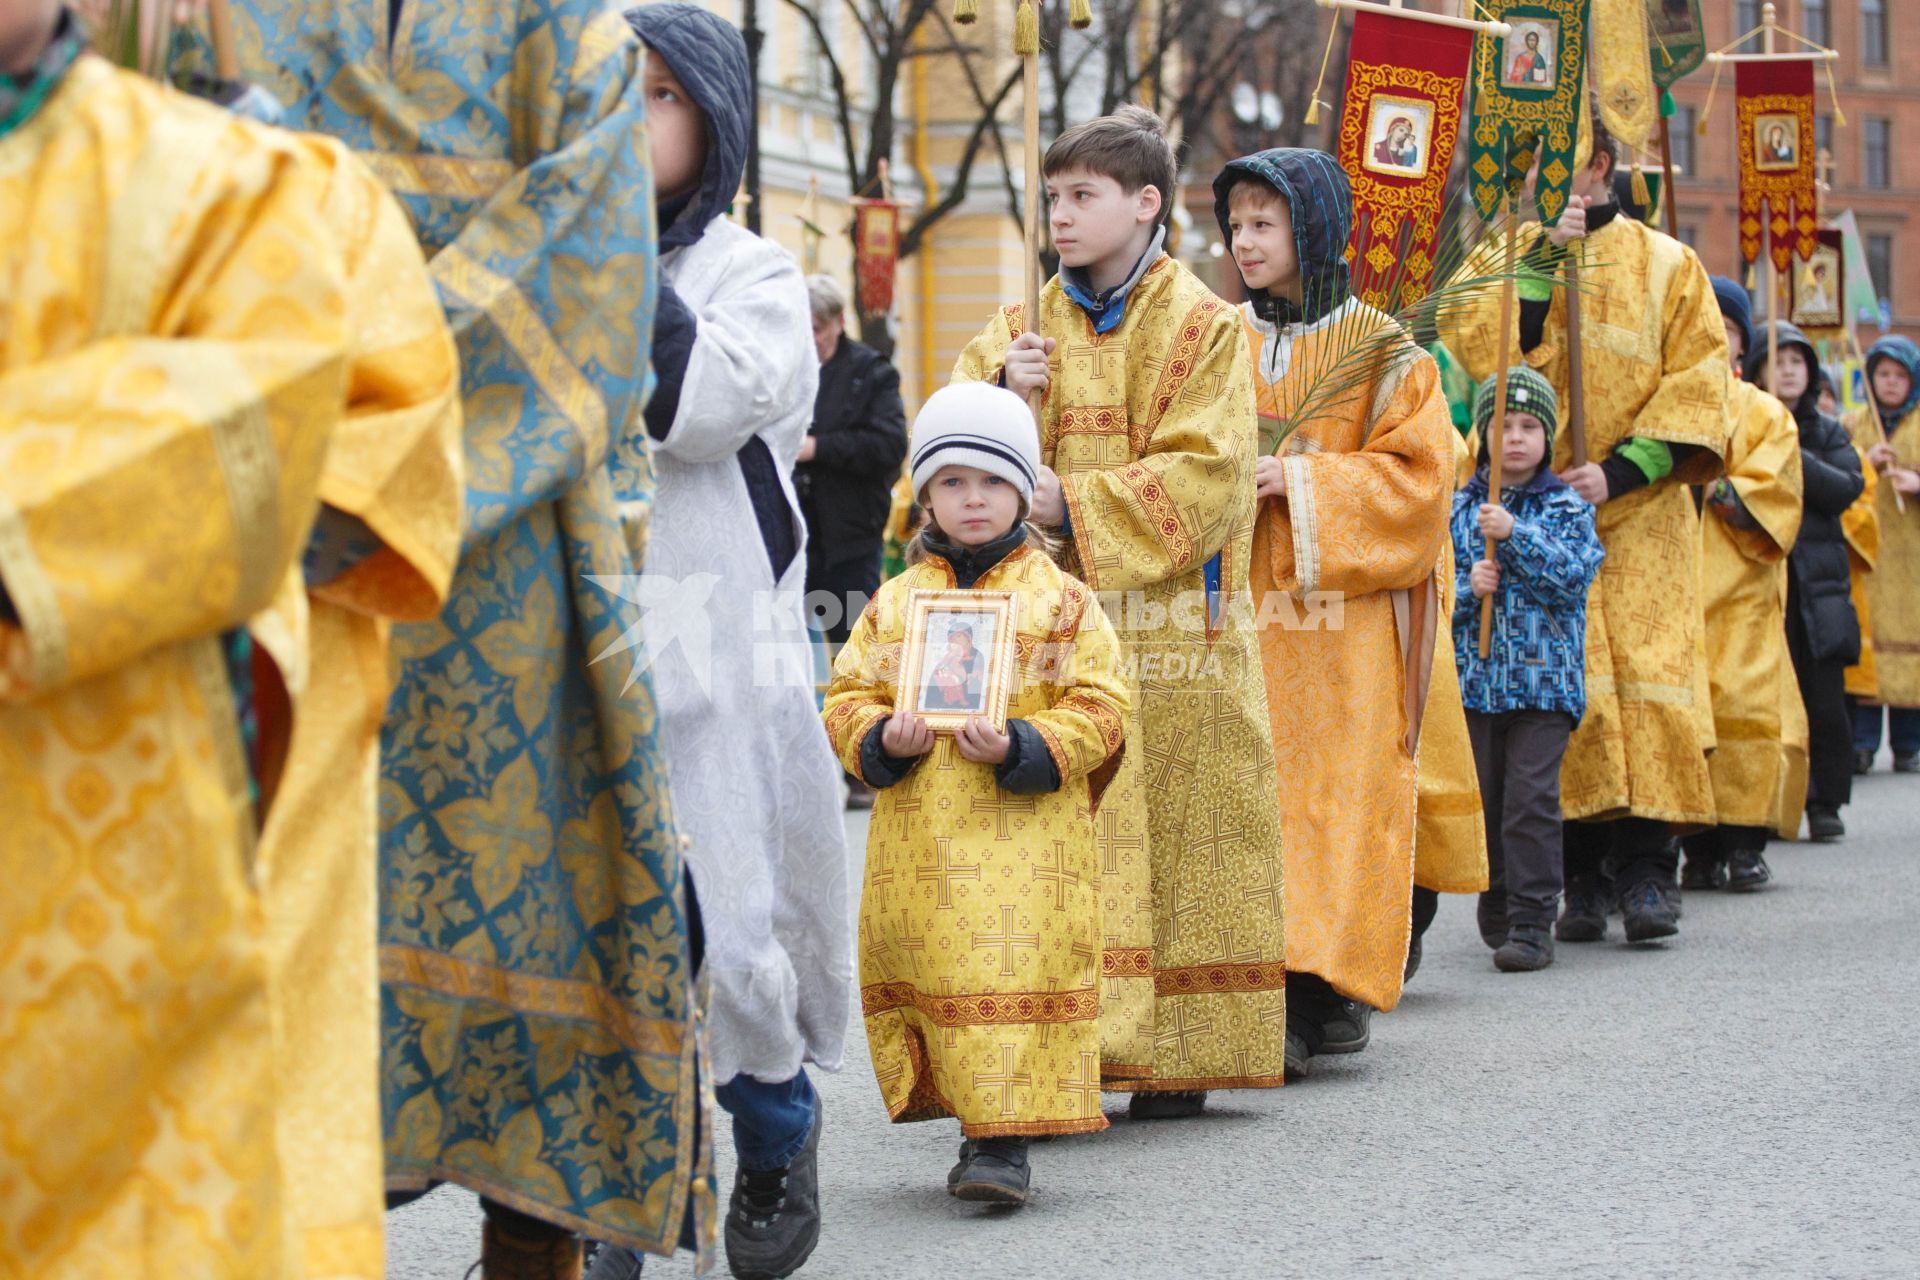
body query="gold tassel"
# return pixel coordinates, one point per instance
(1026, 31)
(1706, 112)
(1080, 14)
(1641, 196)
(1833, 96)
(1313, 103)
(966, 12)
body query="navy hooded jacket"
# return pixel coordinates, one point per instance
(1320, 201)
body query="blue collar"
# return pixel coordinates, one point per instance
(1107, 310)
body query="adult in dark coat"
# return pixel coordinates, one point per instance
(848, 465)
(1823, 633)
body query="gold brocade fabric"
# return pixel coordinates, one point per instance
(1450, 842)
(1151, 429)
(1759, 765)
(980, 932)
(1369, 485)
(1656, 367)
(180, 331)
(1860, 523)
(1893, 587)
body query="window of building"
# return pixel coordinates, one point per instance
(1822, 133)
(1746, 16)
(1813, 21)
(1690, 235)
(1680, 135)
(1873, 32)
(1880, 265)
(1879, 152)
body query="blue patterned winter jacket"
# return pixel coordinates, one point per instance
(1538, 658)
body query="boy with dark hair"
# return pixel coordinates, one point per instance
(1147, 436)
(1637, 765)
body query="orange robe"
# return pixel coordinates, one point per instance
(1346, 578)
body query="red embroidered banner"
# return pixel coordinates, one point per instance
(1405, 79)
(876, 252)
(1774, 117)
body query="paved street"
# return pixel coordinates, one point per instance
(1745, 1101)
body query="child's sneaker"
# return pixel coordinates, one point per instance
(954, 1174)
(1906, 762)
(773, 1220)
(1824, 825)
(1702, 872)
(1584, 918)
(1490, 913)
(1863, 763)
(1649, 913)
(1166, 1105)
(995, 1173)
(1747, 871)
(1528, 947)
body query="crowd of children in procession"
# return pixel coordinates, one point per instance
(1127, 883)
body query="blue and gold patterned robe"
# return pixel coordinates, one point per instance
(537, 1039)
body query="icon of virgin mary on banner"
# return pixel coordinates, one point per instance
(1405, 83)
(1774, 120)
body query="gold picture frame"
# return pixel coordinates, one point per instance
(948, 670)
(1386, 141)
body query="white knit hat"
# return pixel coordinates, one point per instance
(976, 424)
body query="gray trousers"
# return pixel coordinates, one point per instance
(1517, 754)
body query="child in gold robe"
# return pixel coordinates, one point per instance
(1748, 522)
(1354, 495)
(1888, 432)
(1146, 441)
(980, 920)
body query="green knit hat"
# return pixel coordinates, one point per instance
(1527, 392)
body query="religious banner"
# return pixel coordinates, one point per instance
(1774, 122)
(1406, 80)
(1529, 95)
(876, 252)
(1679, 39)
(1817, 288)
(1623, 81)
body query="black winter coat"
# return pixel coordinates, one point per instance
(1831, 479)
(860, 441)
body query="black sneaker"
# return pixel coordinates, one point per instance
(1824, 825)
(773, 1218)
(1146, 1105)
(996, 1173)
(1347, 1028)
(1491, 914)
(1414, 953)
(1649, 914)
(1298, 1054)
(953, 1174)
(1863, 763)
(1906, 762)
(1747, 871)
(1701, 872)
(1528, 947)
(1584, 917)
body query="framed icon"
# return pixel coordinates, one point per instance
(1399, 136)
(1816, 289)
(1776, 142)
(958, 658)
(1527, 58)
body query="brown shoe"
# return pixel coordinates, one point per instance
(508, 1256)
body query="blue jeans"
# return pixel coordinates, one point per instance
(1903, 724)
(771, 1122)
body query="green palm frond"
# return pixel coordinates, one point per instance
(134, 34)
(1365, 346)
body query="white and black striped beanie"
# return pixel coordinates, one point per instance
(976, 424)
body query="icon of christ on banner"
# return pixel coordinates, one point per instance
(1528, 60)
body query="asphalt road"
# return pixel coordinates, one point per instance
(1742, 1102)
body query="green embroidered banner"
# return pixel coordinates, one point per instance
(1679, 39)
(1529, 93)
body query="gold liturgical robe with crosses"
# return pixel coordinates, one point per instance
(1656, 367)
(1891, 620)
(980, 918)
(1759, 762)
(1151, 429)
